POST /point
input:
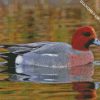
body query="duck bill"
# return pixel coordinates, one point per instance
(96, 42)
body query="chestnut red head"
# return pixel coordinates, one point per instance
(84, 37)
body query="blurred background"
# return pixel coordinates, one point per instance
(23, 21)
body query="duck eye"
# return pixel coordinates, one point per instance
(87, 34)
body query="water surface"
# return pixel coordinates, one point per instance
(20, 22)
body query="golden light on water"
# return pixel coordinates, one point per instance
(23, 21)
(42, 20)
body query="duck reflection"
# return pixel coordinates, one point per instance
(86, 90)
(53, 75)
(80, 83)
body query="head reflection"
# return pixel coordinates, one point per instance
(86, 90)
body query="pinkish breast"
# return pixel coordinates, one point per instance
(80, 59)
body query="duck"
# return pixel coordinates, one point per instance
(57, 54)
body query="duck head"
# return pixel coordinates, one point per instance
(84, 37)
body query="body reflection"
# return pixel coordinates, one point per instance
(53, 75)
(80, 83)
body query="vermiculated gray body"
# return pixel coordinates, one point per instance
(49, 54)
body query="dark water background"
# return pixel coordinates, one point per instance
(24, 21)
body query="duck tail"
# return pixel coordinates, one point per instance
(8, 56)
(5, 63)
(3, 56)
(6, 46)
(15, 49)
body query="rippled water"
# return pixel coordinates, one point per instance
(81, 82)
(23, 25)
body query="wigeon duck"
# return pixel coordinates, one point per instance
(57, 54)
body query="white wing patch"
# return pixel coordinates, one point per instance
(19, 59)
(56, 55)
